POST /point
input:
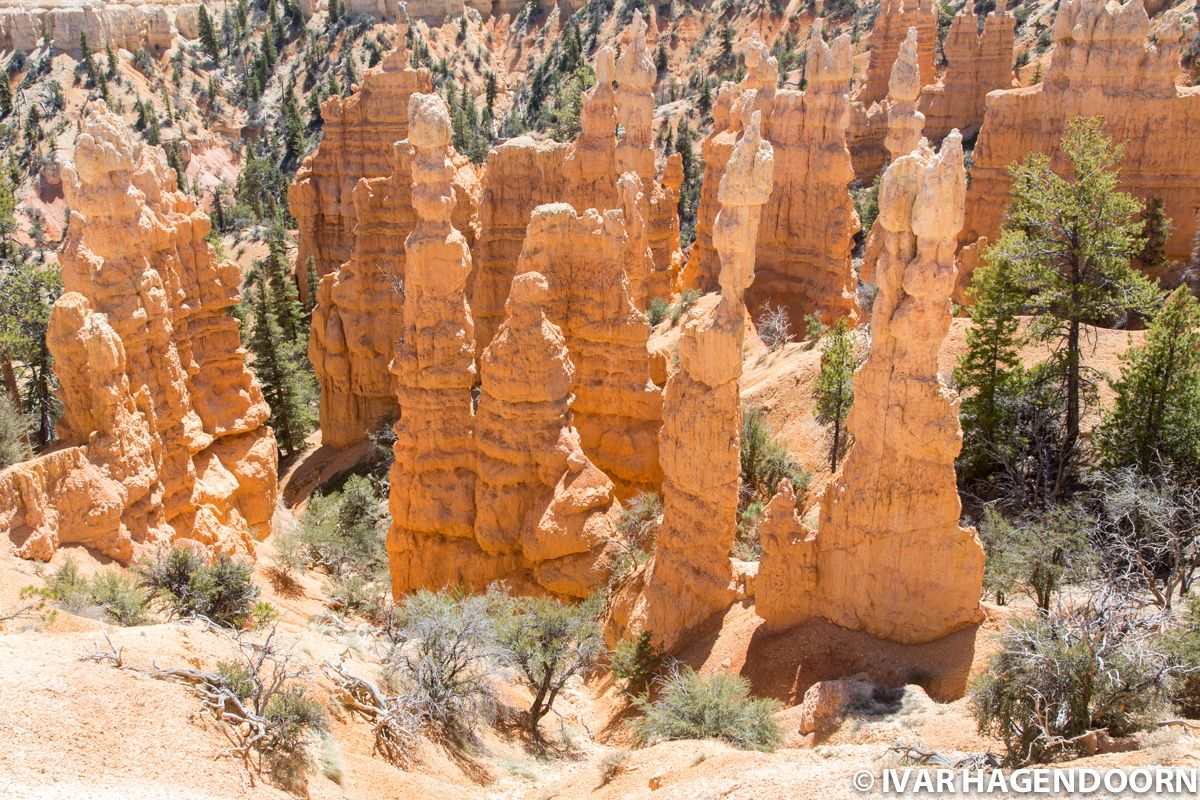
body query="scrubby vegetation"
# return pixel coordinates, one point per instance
(692, 706)
(186, 583)
(115, 595)
(637, 663)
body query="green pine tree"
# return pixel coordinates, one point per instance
(834, 391)
(989, 370)
(310, 272)
(6, 98)
(1155, 420)
(293, 128)
(1070, 243)
(208, 35)
(287, 307)
(280, 364)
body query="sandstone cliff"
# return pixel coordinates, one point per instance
(882, 131)
(163, 425)
(976, 63)
(359, 306)
(1102, 63)
(889, 556)
(691, 576)
(154, 24)
(892, 23)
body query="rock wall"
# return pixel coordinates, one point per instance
(154, 24)
(359, 132)
(691, 577)
(163, 425)
(976, 63)
(803, 261)
(540, 502)
(359, 307)
(892, 22)
(1102, 63)
(886, 130)
(585, 259)
(889, 556)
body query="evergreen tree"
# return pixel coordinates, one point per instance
(490, 92)
(111, 57)
(287, 308)
(6, 98)
(280, 365)
(14, 432)
(310, 272)
(834, 391)
(1069, 243)
(292, 128)
(315, 120)
(28, 290)
(335, 11)
(989, 369)
(85, 57)
(208, 35)
(1155, 420)
(1157, 231)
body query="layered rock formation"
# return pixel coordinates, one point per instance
(346, 195)
(507, 493)
(432, 497)
(691, 577)
(803, 261)
(892, 23)
(883, 131)
(976, 63)
(889, 557)
(635, 104)
(163, 425)
(153, 24)
(585, 259)
(1102, 63)
(539, 501)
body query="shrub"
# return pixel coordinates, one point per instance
(440, 658)
(219, 590)
(14, 432)
(637, 663)
(765, 460)
(1182, 644)
(355, 593)
(658, 310)
(684, 304)
(114, 593)
(613, 764)
(774, 326)
(292, 718)
(747, 546)
(343, 532)
(1061, 675)
(549, 642)
(1035, 555)
(691, 706)
(639, 521)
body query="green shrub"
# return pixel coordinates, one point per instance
(1036, 555)
(219, 590)
(293, 719)
(637, 663)
(115, 593)
(691, 706)
(342, 532)
(1060, 675)
(1182, 644)
(658, 310)
(765, 460)
(14, 432)
(747, 546)
(684, 304)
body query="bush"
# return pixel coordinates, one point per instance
(637, 663)
(116, 594)
(658, 310)
(774, 326)
(549, 642)
(691, 706)
(1035, 555)
(747, 546)
(342, 532)
(1182, 644)
(14, 433)
(1061, 675)
(684, 304)
(292, 718)
(765, 460)
(219, 590)
(440, 658)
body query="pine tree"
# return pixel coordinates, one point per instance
(314, 280)
(279, 363)
(111, 57)
(315, 120)
(208, 35)
(1155, 420)
(287, 308)
(85, 57)
(269, 52)
(335, 11)
(490, 92)
(292, 128)
(28, 290)
(834, 391)
(6, 98)
(988, 371)
(1070, 243)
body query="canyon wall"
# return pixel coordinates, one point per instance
(1102, 63)
(691, 576)
(154, 24)
(976, 63)
(359, 304)
(163, 426)
(889, 557)
(893, 127)
(504, 491)
(892, 22)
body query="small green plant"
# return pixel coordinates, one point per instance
(637, 663)
(692, 706)
(684, 304)
(341, 533)
(657, 311)
(191, 586)
(115, 593)
(765, 460)
(747, 546)
(613, 764)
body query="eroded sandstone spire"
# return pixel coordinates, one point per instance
(635, 103)
(1102, 63)
(976, 63)
(904, 121)
(691, 577)
(892, 24)
(586, 259)
(889, 556)
(432, 497)
(163, 425)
